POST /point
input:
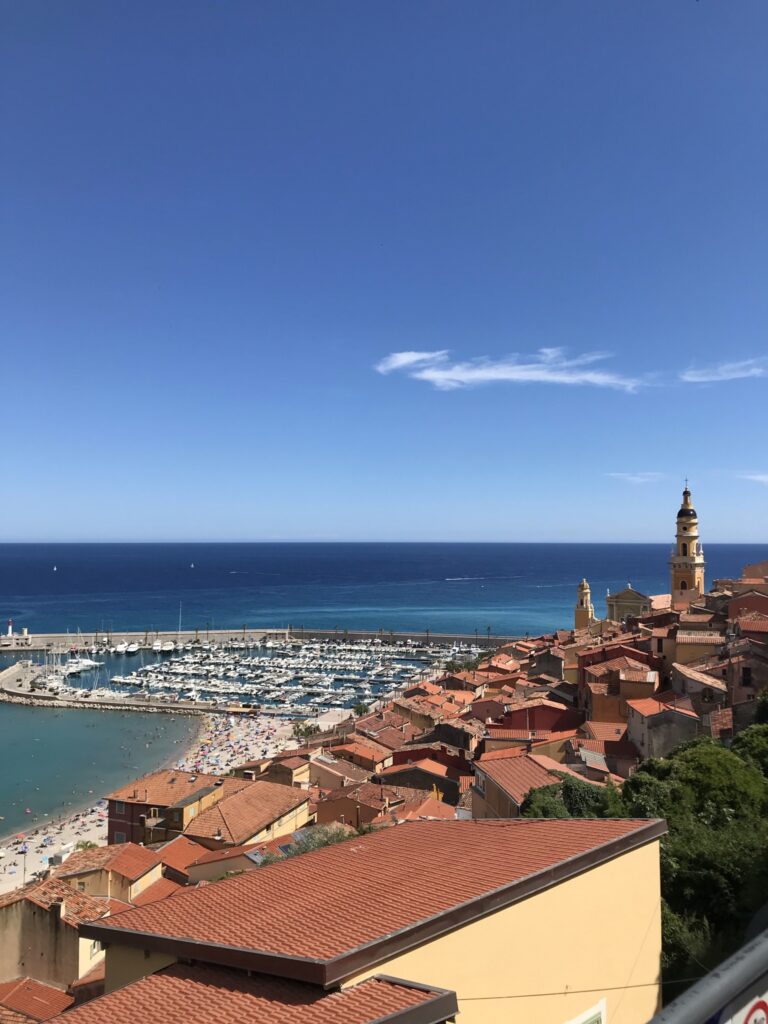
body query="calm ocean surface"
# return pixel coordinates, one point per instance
(54, 761)
(50, 760)
(513, 588)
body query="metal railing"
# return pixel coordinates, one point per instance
(736, 992)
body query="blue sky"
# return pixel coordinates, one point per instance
(412, 271)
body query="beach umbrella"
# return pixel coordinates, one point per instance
(3, 853)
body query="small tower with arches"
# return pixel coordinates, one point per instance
(585, 612)
(687, 562)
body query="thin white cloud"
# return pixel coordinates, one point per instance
(547, 366)
(637, 478)
(725, 371)
(758, 478)
(403, 360)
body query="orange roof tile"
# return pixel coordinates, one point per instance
(650, 706)
(129, 860)
(179, 853)
(201, 995)
(517, 776)
(605, 730)
(164, 788)
(78, 906)
(243, 814)
(398, 874)
(33, 998)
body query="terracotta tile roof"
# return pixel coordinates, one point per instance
(754, 623)
(97, 973)
(371, 794)
(392, 738)
(228, 853)
(159, 890)
(398, 874)
(246, 812)
(721, 723)
(129, 860)
(413, 810)
(370, 750)
(700, 636)
(33, 998)
(78, 906)
(163, 789)
(293, 762)
(622, 663)
(697, 676)
(202, 995)
(608, 748)
(605, 730)
(517, 776)
(650, 706)
(426, 764)
(179, 853)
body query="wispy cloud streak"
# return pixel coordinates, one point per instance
(547, 366)
(725, 371)
(758, 478)
(637, 477)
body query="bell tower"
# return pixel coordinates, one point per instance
(687, 561)
(585, 612)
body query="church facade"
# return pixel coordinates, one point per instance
(686, 567)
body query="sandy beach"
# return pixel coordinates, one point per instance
(221, 744)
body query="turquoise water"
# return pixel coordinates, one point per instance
(55, 761)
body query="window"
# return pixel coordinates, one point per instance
(480, 783)
(81, 886)
(153, 812)
(120, 837)
(96, 947)
(119, 807)
(683, 585)
(659, 645)
(746, 676)
(684, 549)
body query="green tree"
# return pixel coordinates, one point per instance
(86, 844)
(761, 713)
(752, 746)
(360, 709)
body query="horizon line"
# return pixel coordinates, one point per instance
(289, 540)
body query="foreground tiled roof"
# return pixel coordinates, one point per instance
(78, 906)
(405, 877)
(129, 860)
(203, 995)
(236, 818)
(33, 999)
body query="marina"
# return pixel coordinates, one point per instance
(283, 676)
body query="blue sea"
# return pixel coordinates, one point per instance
(50, 761)
(513, 588)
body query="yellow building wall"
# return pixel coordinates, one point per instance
(137, 888)
(290, 822)
(88, 955)
(688, 653)
(125, 965)
(600, 931)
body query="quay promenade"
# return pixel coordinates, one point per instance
(61, 642)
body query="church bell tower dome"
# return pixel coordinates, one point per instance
(687, 562)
